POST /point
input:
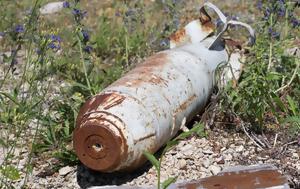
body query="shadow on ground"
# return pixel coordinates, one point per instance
(87, 178)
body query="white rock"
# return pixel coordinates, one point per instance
(246, 153)
(65, 170)
(206, 163)
(228, 157)
(214, 169)
(188, 150)
(182, 164)
(51, 8)
(209, 152)
(186, 147)
(295, 155)
(240, 148)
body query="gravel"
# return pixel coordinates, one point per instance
(191, 159)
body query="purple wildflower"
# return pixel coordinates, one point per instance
(79, 14)
(76, 12)
(281, 11)
(2, 34)
(88, 49)
(53, 46)
(273, 34)
(19, 29)
(267, 13)
(55, 38)
(259, 5)
(86, 36)
(66, 4)
(295, 22)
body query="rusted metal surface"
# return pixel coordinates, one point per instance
(254, 177)
(239, 177)
(144, 109)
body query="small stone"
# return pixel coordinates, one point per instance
(186, 147)
(65, 170)
(228, 157)
(295, 155)
(208, 152)
(240, 148)
(51, 8)
(182, 164)
(206, 163)
(188, 150)
(246, 153)
(220, 160)
(214, 169)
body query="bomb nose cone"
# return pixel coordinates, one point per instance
(98, 143)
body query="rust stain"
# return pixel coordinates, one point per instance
(206, 22)
(167, 99)
(242, 179)
(152, 62)
(145, 72)
(158, 80)
(96, 130)
(185, 104)
(204, 17)
(112, 100)
(208, 27)
(106, 100)
(179, 36)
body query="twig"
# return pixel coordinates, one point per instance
(258, 140)
(291, 80)
(266, 141)
(275, 140)
(271, 46)
(245, 131)
(289, 143)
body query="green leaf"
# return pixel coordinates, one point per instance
(197, 129)
(66, 129)
(169, 145)
(10, 172)
(278, 102)
(76, 84)
(293, 119)
(152, 159)
(292, 105)
(167, 182)
(10, 97)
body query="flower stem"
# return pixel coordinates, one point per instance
(83, 65)
(271, 45)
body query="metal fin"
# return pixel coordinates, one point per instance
(228, 22)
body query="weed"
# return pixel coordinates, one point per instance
(197, 129)
(270, 74)
(51, 68)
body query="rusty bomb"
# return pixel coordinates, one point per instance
(144, 109)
